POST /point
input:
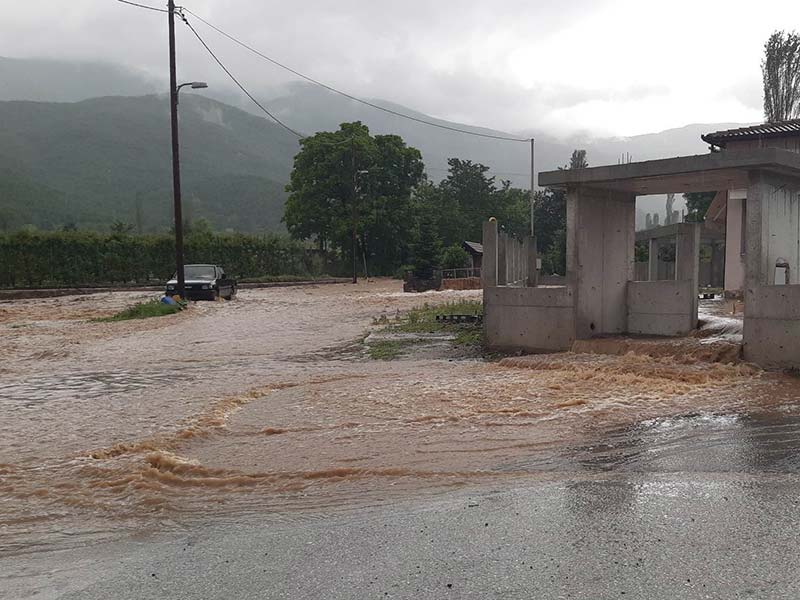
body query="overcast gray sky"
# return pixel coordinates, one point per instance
(617, 67)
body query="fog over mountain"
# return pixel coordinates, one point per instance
(94, 160)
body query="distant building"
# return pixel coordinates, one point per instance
(475, 251)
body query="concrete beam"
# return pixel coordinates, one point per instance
(707, 172)
(707, 235)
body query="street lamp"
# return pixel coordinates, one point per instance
(176, 177)
(195, 85)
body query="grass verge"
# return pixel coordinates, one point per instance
(143, 310)
(467, 338)
(423, 320)
(389, 349)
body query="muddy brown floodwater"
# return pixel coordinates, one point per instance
(269, 405)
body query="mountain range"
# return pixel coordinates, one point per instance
(98, 149)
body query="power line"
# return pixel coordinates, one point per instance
(345, 94)
(239, 85)
(163, 10)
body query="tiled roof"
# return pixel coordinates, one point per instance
(473, 247)
(765, 130)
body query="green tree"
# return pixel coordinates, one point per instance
(578, 160)
(121, 228)
(468, 199)
(550, 219)
(455, 257)
(426, 251)
(697, 204)
(780, 69)
(350, 180)
(550, 222)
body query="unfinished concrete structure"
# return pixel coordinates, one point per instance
(600, 296)
(729, 209)
(710, 272)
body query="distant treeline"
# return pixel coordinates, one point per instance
(75, 258)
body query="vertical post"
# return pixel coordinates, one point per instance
(502, 258)
(530, 257)
(355, 213)
(533, 187)
(652, 260)
(489, 261)
(176, 168)
(687, 260)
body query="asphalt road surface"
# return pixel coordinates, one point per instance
(644, 536)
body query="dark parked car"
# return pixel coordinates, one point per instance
(204, 282)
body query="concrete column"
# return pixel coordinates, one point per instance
(717, 265)
(502, 258)
(771, 336)
(512, 260)
(687, 252)
(756, 238)
(652, 261)
(489, 261)
(687, 260)
(530, 254)
(603, 241)
(572, 235)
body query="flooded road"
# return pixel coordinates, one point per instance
(267, 407)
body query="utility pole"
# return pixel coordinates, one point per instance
(355, 212)
(533, 186)
(176, 168)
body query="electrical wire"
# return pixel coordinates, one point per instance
(345, 94)
(238, 84)
(162, 10)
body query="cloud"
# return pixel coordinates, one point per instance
(611, 66)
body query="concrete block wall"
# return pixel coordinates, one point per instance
(533, 319)
(661, 307)
(771, 336)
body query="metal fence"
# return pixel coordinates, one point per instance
(460, 273)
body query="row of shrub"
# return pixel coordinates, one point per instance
(76, 258)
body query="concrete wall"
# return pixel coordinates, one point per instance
(600, 256)
(534, 319)
(772, 312)
(783, 223)
(734, 258)
(661, 307)
(772, 326)
(773, 228)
